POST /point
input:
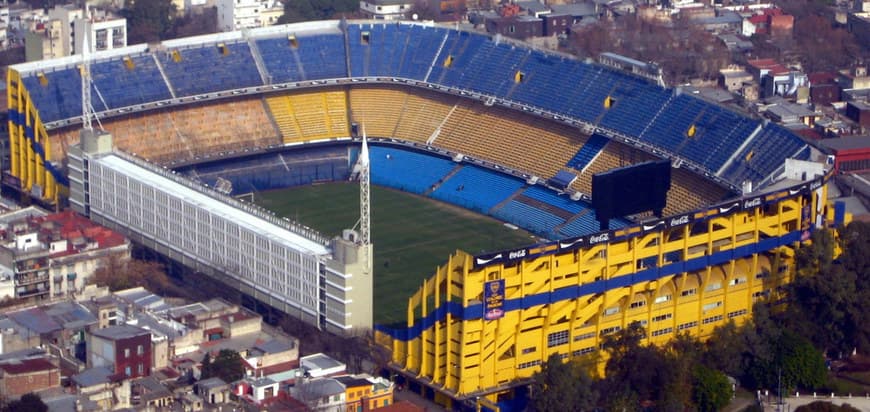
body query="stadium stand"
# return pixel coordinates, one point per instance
(588, 152)
(185, 133)
(304, 56)
(528, 217)
(526, 143)
(391, 111)
(406, 170)
(310, 114)
(274, 170)
(476, 188)
(758, 159)
(210, 68)
(388, 49)
(493, 66)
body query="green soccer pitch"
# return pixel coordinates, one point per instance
(412, 234)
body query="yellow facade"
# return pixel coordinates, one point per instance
(686, 274)
(29, 144)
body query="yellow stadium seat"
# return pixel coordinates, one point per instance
(129, 63)
(176, 56)
(42, 79)
(519, 77)
(448, 61)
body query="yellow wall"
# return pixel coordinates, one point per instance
(477, 356)
(27, 163)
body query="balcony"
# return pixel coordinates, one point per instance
(31, 278)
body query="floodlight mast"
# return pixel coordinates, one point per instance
(364, 192)
(86, 72)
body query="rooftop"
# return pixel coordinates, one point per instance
(117, 332)
(847, 143)
(19, 366)
(213, 206)
(275, 346)
(211, 383)
(94, 376)
(319, 361)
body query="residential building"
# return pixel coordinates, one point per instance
(247, 14)
(105, 32)
(824, 89)
(274, 356)
(851, 154)
(108, 390)
(856, 78)
(363, 392)
(323, 394)
(212, 390)
(27, 371)
(320, 365)
(770, 21)
(124, 349)
(859, 25)
(385, 9)
(54, 255)
(859, 112)
(46, 42)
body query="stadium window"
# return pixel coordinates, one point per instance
(293, 42)
(711, 306)
(662, 331)
(222, 49)
(584, 336)
(713, 286)
(689, 292)
(663, 298)
(611, 311)
(512, 29)
(687, 325)
(664, 317)
(527, 351)
(637, 304)
(557, 338)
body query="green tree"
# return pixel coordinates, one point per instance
(30, 402)
(802, 365)
(710, 389)
(148, 20)
(227, 365)
(206, 368)
(822, 406)
(558, 384)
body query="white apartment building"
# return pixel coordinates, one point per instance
(247, 14)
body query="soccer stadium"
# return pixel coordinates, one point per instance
(186, 129)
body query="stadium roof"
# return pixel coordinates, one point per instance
(246, 220)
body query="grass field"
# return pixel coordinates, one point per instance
(412, 234)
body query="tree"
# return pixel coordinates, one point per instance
(558, 384)
(206, 368)
(710, 389)
(227, 365)
(30, 402)
(822, 406)
(148, 20)
(118, 273)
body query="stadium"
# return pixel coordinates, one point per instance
(490, 125)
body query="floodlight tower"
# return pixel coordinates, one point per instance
(364, 192)
(86, 73)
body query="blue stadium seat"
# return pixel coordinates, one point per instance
(587, 152)
(60, 98)
(476, 188)
(314, 57)
(406, 170)
(204, 69)
(768, 149)
(118, 86)
(528, 217)
(551, 198)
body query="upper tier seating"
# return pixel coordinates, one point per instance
(198, 70)
(678, 124)
(307, 57)
(389, 49)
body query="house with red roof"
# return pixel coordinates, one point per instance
(47, 255)
(20, 375)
